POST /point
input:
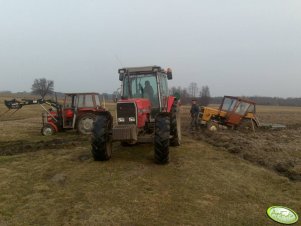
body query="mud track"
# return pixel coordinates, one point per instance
(19, 147)
(277, 150)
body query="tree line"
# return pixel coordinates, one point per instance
(201, 95)
(270, 101)
(43, 87)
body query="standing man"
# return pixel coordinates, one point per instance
(194, 112)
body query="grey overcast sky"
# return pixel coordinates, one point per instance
(236, 47)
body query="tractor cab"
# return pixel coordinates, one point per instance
(77, 104)
(233, 112)
(146, 83)
(236, 109)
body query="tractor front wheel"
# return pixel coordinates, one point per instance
(175, 125)
(162, 133)
(101, 139)
(47, 130)
(85, 123)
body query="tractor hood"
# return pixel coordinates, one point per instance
(140, 107)
(143, 105)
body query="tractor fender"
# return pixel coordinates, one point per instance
(54, 126)
(170, 101)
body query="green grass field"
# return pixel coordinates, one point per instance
(202, 184)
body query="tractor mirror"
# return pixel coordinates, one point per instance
(169, 74)
(120, 77)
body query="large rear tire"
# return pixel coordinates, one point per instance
(162, 133)
(85, 123)
(175, 125)
(101, 139)
(247, 124)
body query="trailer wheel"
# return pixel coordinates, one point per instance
(162, 132)
(85, 123)
(175, 125)
(47, 130)
(101, 139)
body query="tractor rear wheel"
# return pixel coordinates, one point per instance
(47, 130)
(85, 123)
(101, 139)
(175, 125)
(162, 133)
(247, 124)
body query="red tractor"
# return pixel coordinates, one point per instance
(145, 113)
(78, 112)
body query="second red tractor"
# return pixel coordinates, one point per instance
(78, 112)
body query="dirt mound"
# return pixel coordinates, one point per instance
(18, 147)
(278, 150)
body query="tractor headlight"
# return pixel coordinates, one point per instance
(132, 119)
(120, 120)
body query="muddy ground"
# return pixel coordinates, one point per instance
(278, 150)
(24, 146)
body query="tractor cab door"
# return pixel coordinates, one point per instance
(69, 111)
(238, 113)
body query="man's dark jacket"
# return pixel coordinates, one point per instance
(194, 110)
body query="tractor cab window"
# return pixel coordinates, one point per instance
(97, 100)
(163, 88)
(242, 108)
(85, 101)
(251, 109)
(163, 85)
(229, 104)
(141, 86)
(70, 101)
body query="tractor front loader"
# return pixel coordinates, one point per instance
(145, 113)
(78, 112)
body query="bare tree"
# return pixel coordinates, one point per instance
(184, 95)
(115, 96)
(42, 87)
(205, 96)
(193, 89)
(173, 90)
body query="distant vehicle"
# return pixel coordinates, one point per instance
(145, 113)
(78, 112)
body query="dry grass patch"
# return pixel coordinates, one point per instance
(199, 187)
